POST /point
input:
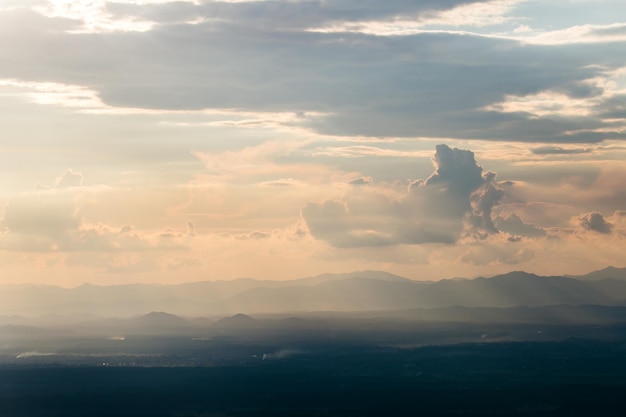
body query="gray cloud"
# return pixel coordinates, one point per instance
(284, 15)
(617, 29)
(457, 198)
(256, 56)
(557, 150)
(612, 108)
(253, 235)
(360, 181)
(514, 225)
(595, 222)
(483, 200)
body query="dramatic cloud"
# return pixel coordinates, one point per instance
(262, 57)
(457, 198)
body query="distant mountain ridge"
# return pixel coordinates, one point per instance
(357, 291)
(609, 272)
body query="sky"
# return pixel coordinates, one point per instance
(172, 141)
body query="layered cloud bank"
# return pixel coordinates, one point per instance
(167, 141)
(459, 69)
(460, 216)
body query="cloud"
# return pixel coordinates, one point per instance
(45, 213)
(595, 222)
(253, 235)
(511, 254)
(52, 220)
(578, 34)
(283, 15)
(483, 201)
(456, 199)
(70, 178)
(514, 226)
(470, 14)
(361, 181)
(558, 150)
(435, 84)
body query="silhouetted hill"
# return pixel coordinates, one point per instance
(354, 294)
(348, 294)
(513, 289)
(238, 321)
(158, 319)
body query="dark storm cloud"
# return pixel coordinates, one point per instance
(257, 56)
(455, 200)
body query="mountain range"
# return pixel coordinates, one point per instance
(349, 292)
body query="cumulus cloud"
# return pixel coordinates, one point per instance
(483, 201)
(595, 222)
(53, 220)
(456, 199)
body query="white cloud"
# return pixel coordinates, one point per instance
(579, 34)
(57, 94)
(93, 15)
(546, 103)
